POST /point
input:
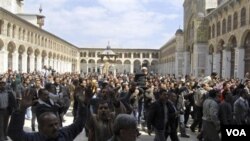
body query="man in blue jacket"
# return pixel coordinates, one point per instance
(48, 124)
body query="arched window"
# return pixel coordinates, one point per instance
(31, 37)
(1, 26)
(218, 28)
(19, 33)
(28, 36)
(229, 23)
(243, 17)
(224, 26)
(8, 29)
(23, 35)
(129, 55)
(235, 24)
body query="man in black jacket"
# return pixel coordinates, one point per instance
(158, 117)
(48, 124)
(7, 105)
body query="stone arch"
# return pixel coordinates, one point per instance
(126, 66)
(137, 66)
(50, 55)
(145, 63)
(154, 67)
(36, 53)
(211, 49)
(54, 55)
(91, 65)
(99, 65)
(29, 50)
(11, 48)
(44, 55)
(1, 44)
(119, 66)
(61, 57)
(83, 66)
(21, 51)
(29, 53)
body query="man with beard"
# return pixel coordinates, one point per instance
(48, 124)
(100, 125)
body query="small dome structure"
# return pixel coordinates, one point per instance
(179, 31)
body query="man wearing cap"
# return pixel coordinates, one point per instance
(7, 103)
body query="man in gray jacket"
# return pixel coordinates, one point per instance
(241, 108)
(211, 123)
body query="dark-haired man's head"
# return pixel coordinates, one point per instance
(125, 127)
(103, 110)
(215, 94)
(243, 93)
(172, 96)
(48, 125)
(163, 95)
(43, 94)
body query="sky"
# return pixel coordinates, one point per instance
(123, 23)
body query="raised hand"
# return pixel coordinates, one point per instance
(26, 100)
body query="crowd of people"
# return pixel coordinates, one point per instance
(111, 108)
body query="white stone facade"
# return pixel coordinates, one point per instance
(27, 48)
(128, 61)
(14, 6)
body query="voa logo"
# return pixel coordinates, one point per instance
(236, 132)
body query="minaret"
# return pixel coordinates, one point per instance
(40, 17)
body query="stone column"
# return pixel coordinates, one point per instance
(59, 65)
(187, 63)
(199, 59)
(132, 67)
(53, 63)
(15, 61)
(3, 61)
(32, 63)
(239, 63)
(216, 63)
(96, 66)
(226, 66)
(209, 65)
(24, 62)
(39, 62)
(70, 66)
(78, 64)
(46, 61)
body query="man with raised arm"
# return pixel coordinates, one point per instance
(48, 124)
